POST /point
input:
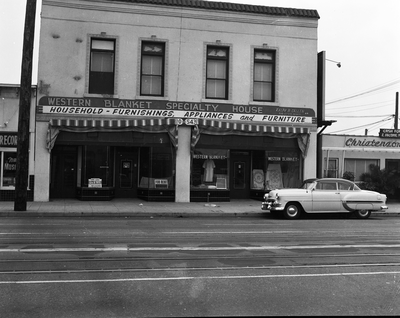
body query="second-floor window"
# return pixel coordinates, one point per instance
(264, 76)
(217, 72)
(102, 57)
(152, 69)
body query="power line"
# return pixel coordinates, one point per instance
(366, 125)
(366, 92)
(382, 103)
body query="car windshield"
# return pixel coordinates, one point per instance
(307, 184)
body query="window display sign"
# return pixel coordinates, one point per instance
(9, 164)
(95, 183)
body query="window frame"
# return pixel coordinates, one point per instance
(365, 162)
(2, 152)
(273, 75)
(327, 167)
(104, 37)
(162, 76)
(92, 88)
(227, 70)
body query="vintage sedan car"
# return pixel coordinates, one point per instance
(326, 195)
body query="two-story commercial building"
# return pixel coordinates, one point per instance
(179, 100)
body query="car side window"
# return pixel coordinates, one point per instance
(345, 186)
(326, 186)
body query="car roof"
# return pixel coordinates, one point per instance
(327, 179)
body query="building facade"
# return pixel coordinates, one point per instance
(355, 154)
(9, 112)
(174, 100)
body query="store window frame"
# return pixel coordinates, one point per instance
(108, 166)
(213, 60)
(2, 152)
(209, 169)
(113, 86)
(284, 166)
(332, 169)
(365, 162)
(153, 56)
(258, 78)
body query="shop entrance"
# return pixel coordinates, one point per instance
(63, 172)
(240, 175)
(126, 172)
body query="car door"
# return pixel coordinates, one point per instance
(326, 197)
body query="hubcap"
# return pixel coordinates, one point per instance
(292, 210)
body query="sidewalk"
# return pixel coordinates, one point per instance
(137, 207)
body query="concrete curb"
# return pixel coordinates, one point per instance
(157, 214)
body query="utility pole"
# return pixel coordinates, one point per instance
(396, 113)
(21, 182)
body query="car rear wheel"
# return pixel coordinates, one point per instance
(362, 214)
(292, 211)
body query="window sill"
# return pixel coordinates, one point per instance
(216, 101)
(151, 97)
(100, 95)
(264, 103)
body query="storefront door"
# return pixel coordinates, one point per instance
(240, 175)
(126, 172)
(63, 172)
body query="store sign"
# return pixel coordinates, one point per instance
(359, 142)
(389, 133)
(186, 112)
(8, 140)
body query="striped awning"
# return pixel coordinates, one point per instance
(111, 123)
(253, 127)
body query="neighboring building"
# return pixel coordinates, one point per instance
(9, 106)
(356, 153)
(179, 100)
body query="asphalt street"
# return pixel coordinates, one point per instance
(198, 266)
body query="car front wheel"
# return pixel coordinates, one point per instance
(292, 211)
(362, 214)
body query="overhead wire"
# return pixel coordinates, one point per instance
(383, 86)
(365, 125)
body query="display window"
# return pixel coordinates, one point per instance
(8, 169)
(156, 168)
(209, 169)
(98, 166)
(275, 169)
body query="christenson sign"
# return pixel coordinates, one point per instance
(371, 143)
(108, 107)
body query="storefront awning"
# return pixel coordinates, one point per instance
(148, 125)
(253, 127)
(214, 127)
(112, 123)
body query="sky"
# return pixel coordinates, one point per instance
(363, 35)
